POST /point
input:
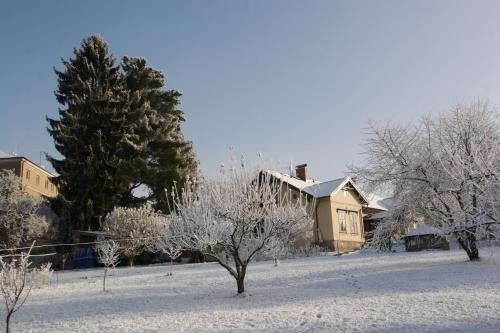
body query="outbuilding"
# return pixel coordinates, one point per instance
(426, 237)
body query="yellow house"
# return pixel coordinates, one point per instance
(35, 179)
(339, 209)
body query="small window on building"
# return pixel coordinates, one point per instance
(51, 187)
(354, 222)
(27, 174)
(47, 184)
(342, 223)
(37, 179)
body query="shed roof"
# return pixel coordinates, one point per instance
(424, 229)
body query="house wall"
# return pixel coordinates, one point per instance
(326, 220)
(22, 167)
(39, 181)
(346, 201)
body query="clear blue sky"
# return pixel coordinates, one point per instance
(286, 78)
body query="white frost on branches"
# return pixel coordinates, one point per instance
(17, 278)
(167, 242)
(19, 218)
(445, 171)
(134, 228)
(236, 217)
(108, 253)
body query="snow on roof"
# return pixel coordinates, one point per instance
(316, 188)
(377, 202)
(424, 229)
(5, 155)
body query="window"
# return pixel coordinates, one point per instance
(51, 187)
(37, 179)
(354, 222)
(46, 184)
(27, 174)
(343, 226)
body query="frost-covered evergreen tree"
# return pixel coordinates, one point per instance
(164, 156)
(118, 130)
(89, 134)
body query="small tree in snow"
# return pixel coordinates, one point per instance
(109, 255)
(134, 229)
(17, 278)
(168, 243)
(445, 171)
(276, 249)
(236, 217)
(19, 218)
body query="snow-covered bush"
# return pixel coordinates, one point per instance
(43, 275)
(444, 171)
(134, 229)
(310, 250)
(108, 253)
(236, 217)
(19, 218)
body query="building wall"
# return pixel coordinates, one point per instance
(326, 219)
(34, 179)
(39, 181)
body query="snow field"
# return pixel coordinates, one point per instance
(360, 292)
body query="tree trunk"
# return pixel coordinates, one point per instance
(240, 280)
(130, 261)
(276, 262)
(468, 242)
(104, 279)
(7, 322)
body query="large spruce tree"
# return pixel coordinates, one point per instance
(118, 130)
(165, 156)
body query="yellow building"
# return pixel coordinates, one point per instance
(35, 179)
(339, 209)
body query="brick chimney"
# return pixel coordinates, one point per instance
(301, 172)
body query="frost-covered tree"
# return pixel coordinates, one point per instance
(161, 154)
(236, 217)
(19, 212)
(444, 171)
(276, 249)
(167, 242)
(17, 278)
(90, 134)
(135, 229)
(118, 129)
(108, 253)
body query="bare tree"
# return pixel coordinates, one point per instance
(19, 218)
(109, 255)
(276, 249)
(17, 278)
(445, 171)
(167, 243)
(236, 217)
(134, 229)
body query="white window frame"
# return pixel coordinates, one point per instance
(342, 220)
(354, 221)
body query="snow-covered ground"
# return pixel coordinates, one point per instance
(361, 292)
